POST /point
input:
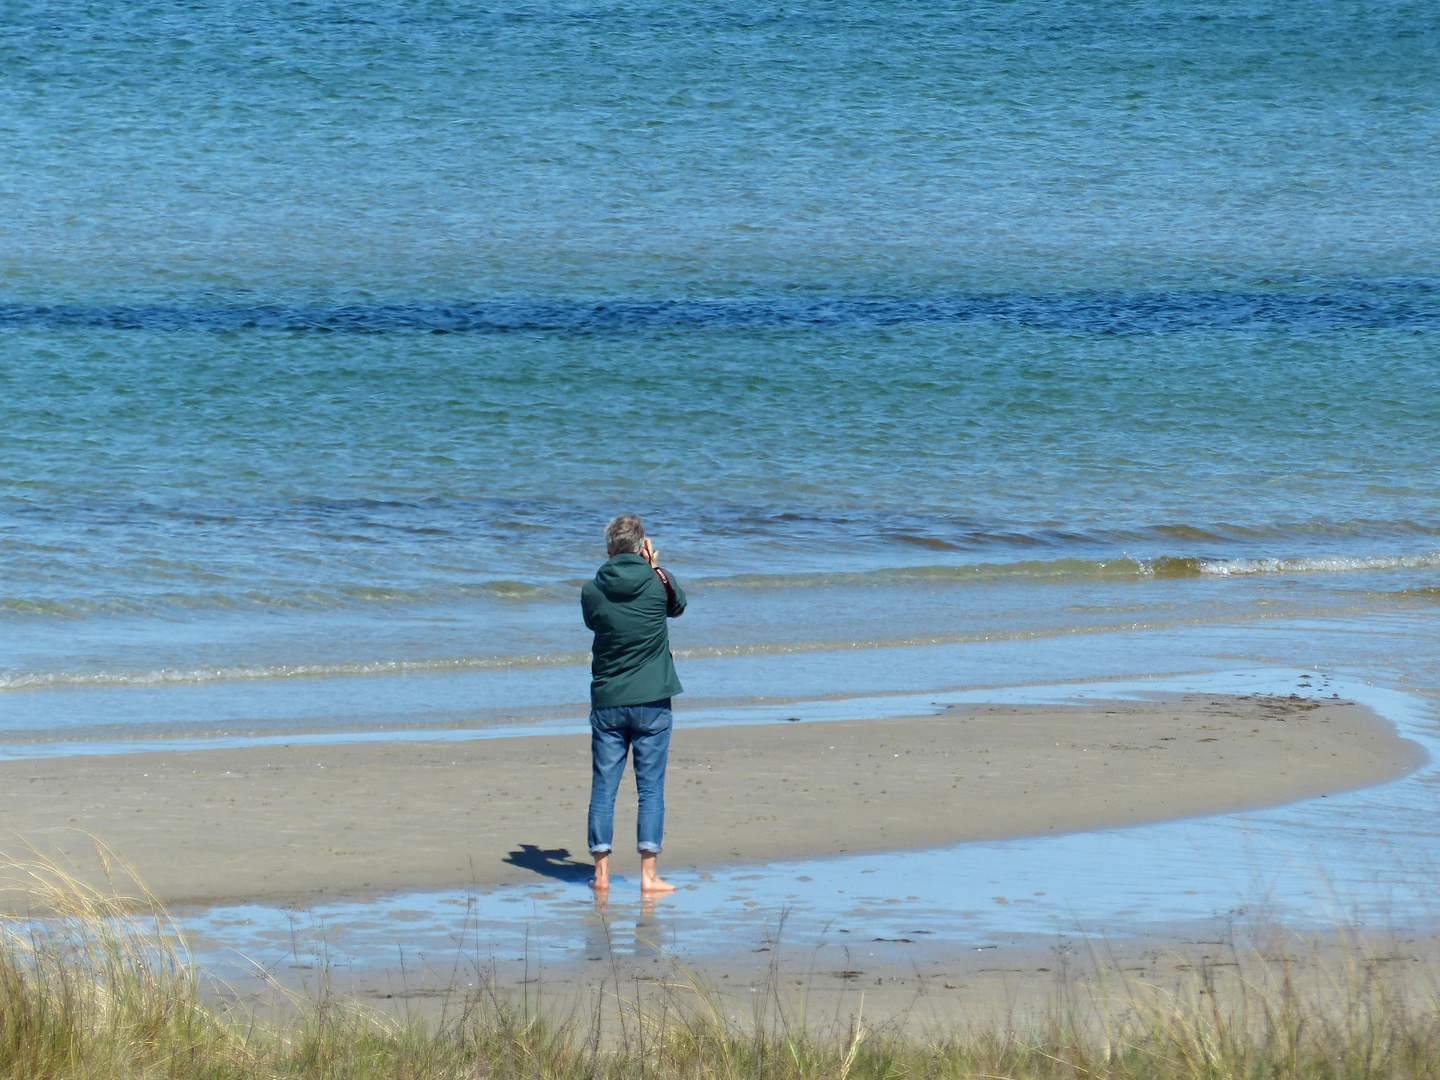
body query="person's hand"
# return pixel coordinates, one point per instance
(648, 552)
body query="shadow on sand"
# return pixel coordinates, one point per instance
(552, 863)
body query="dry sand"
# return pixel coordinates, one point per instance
(297, 823)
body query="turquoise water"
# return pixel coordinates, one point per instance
(938, 347)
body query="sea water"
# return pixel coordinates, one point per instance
(940, 347)
(331, 335)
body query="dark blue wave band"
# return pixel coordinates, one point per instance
(1112, 313)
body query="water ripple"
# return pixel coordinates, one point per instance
(1154, 312)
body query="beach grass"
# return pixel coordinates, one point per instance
(98, 986)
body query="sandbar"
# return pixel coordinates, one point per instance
(299, 823)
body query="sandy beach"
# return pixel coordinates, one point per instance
(299, 823)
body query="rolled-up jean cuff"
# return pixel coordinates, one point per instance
(648, 849)
(603, 849)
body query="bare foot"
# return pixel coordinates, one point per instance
(601, 881)
(650, 881)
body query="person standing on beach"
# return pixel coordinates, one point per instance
(632, 681)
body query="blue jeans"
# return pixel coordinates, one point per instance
(641, 730)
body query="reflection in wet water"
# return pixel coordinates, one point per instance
(637, 930)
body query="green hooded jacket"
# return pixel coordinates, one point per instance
(626, 606)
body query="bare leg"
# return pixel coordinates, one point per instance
(601, 880)
(650, 881)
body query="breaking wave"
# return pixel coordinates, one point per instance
(1038, 571)
(1125, 568)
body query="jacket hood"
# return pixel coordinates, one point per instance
(623, 577)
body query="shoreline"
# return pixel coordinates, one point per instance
(298, 824)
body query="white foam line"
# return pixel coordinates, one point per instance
(1334, 565)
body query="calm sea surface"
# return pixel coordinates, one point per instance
(940, 347)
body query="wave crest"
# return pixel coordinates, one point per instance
(38, 680)
(1125, 568)
(1039, 571)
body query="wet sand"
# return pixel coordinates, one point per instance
(298, 823)
(912, 984)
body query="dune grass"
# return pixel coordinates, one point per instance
(99, 987)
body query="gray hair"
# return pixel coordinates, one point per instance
(623, 535)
